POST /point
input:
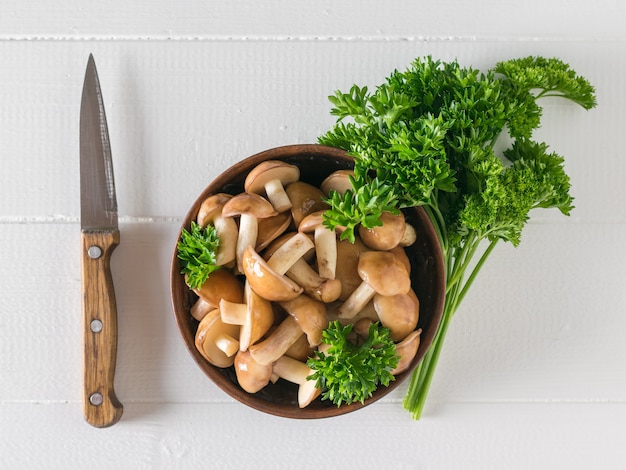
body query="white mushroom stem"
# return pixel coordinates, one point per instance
(290, 252)
(277, 343)
(409, 236)
(227, 344)
(326, 252)
(233, 313)
(297, 372)
(248, 231)
(226, 229)
(325, 290)
(356, 301)
(276, 194)
(200, 308)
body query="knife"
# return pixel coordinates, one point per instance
(99, 235)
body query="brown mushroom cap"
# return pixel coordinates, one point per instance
(210, 213)
(386, 236)
(407, 349)
(270, 228)
(211, 208)
(310, 315)
(384, 272)
(221, 284)
(211, 330)
(251, 375)
(347, 262)
(338, 181)
(305, 198)
(278, 342)
(399, 313)
(265, 281)
(248, 203)
(270, 177)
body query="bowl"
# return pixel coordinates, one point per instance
(427, 279)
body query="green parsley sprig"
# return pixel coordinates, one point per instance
(348, 371)
(196, 250)
(427, 137)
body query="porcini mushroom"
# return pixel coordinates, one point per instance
(216, 340)
(291, 250)
(305, 198)
(251, 375)
(221, 284)
(210, 213)
(325, 243)
(271, 176)
(255, 317)
(249, 207)
(315, 286)
(297, 372)
(265, 281)
(381, 272)
(310, 314)
(407, 349)
(399, 313)
(386, 236)
(347, 263)
(337, 181)
(277, 342)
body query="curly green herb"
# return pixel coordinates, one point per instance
(427, 137)
(350, 372)
(196, 250)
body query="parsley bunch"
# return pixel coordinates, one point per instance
(348, 371)
(427, 137)
(196, 250)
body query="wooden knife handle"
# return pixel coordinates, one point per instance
(100, 404)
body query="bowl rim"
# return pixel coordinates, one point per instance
(215, 374)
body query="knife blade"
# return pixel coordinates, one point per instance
(99, 237)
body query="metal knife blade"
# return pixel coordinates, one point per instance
(100, 236)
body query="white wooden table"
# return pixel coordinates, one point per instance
(534, 369)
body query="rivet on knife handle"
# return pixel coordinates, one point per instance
(101, 406)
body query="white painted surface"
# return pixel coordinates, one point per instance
(533, 371)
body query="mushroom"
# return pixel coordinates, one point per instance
(290, 250)
(271, 228)
(221, 284)
(216, 340)
(310, 314)
(278, 342)
(305, 198)
(386, 236)
(297, 372)
(255, 317)
(407, 349)
(250, 207)
(399, 313)
(301, 349)
(251, 375)
(315, 286)
(325, 243)
(337, 181)
(265, 281)
(347, 262)
(210, 213)
(381, 272)
(271, 176)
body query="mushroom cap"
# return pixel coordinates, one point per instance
(311, 221)
(249, 203)
(209, 330)
(310, 314)
(407, 349)
(221, 284)
(270, 170)
(270, 228)
(265, 281)
(399, 313)
(385, 236)
(347, 262)
(305, 198)
(338, 180)
(259, 318)
(251, 375)
(384, 272)
(211, 208)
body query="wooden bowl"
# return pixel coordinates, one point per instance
(427, 277)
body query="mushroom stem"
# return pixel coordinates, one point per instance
(276, 194)
(248, 230)
(409, 236)
(297, 372)
(233, 313)
(277, 343)
(227, 344)
(325, 290)
(290, 252)
(356, 301)
(326, 252)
